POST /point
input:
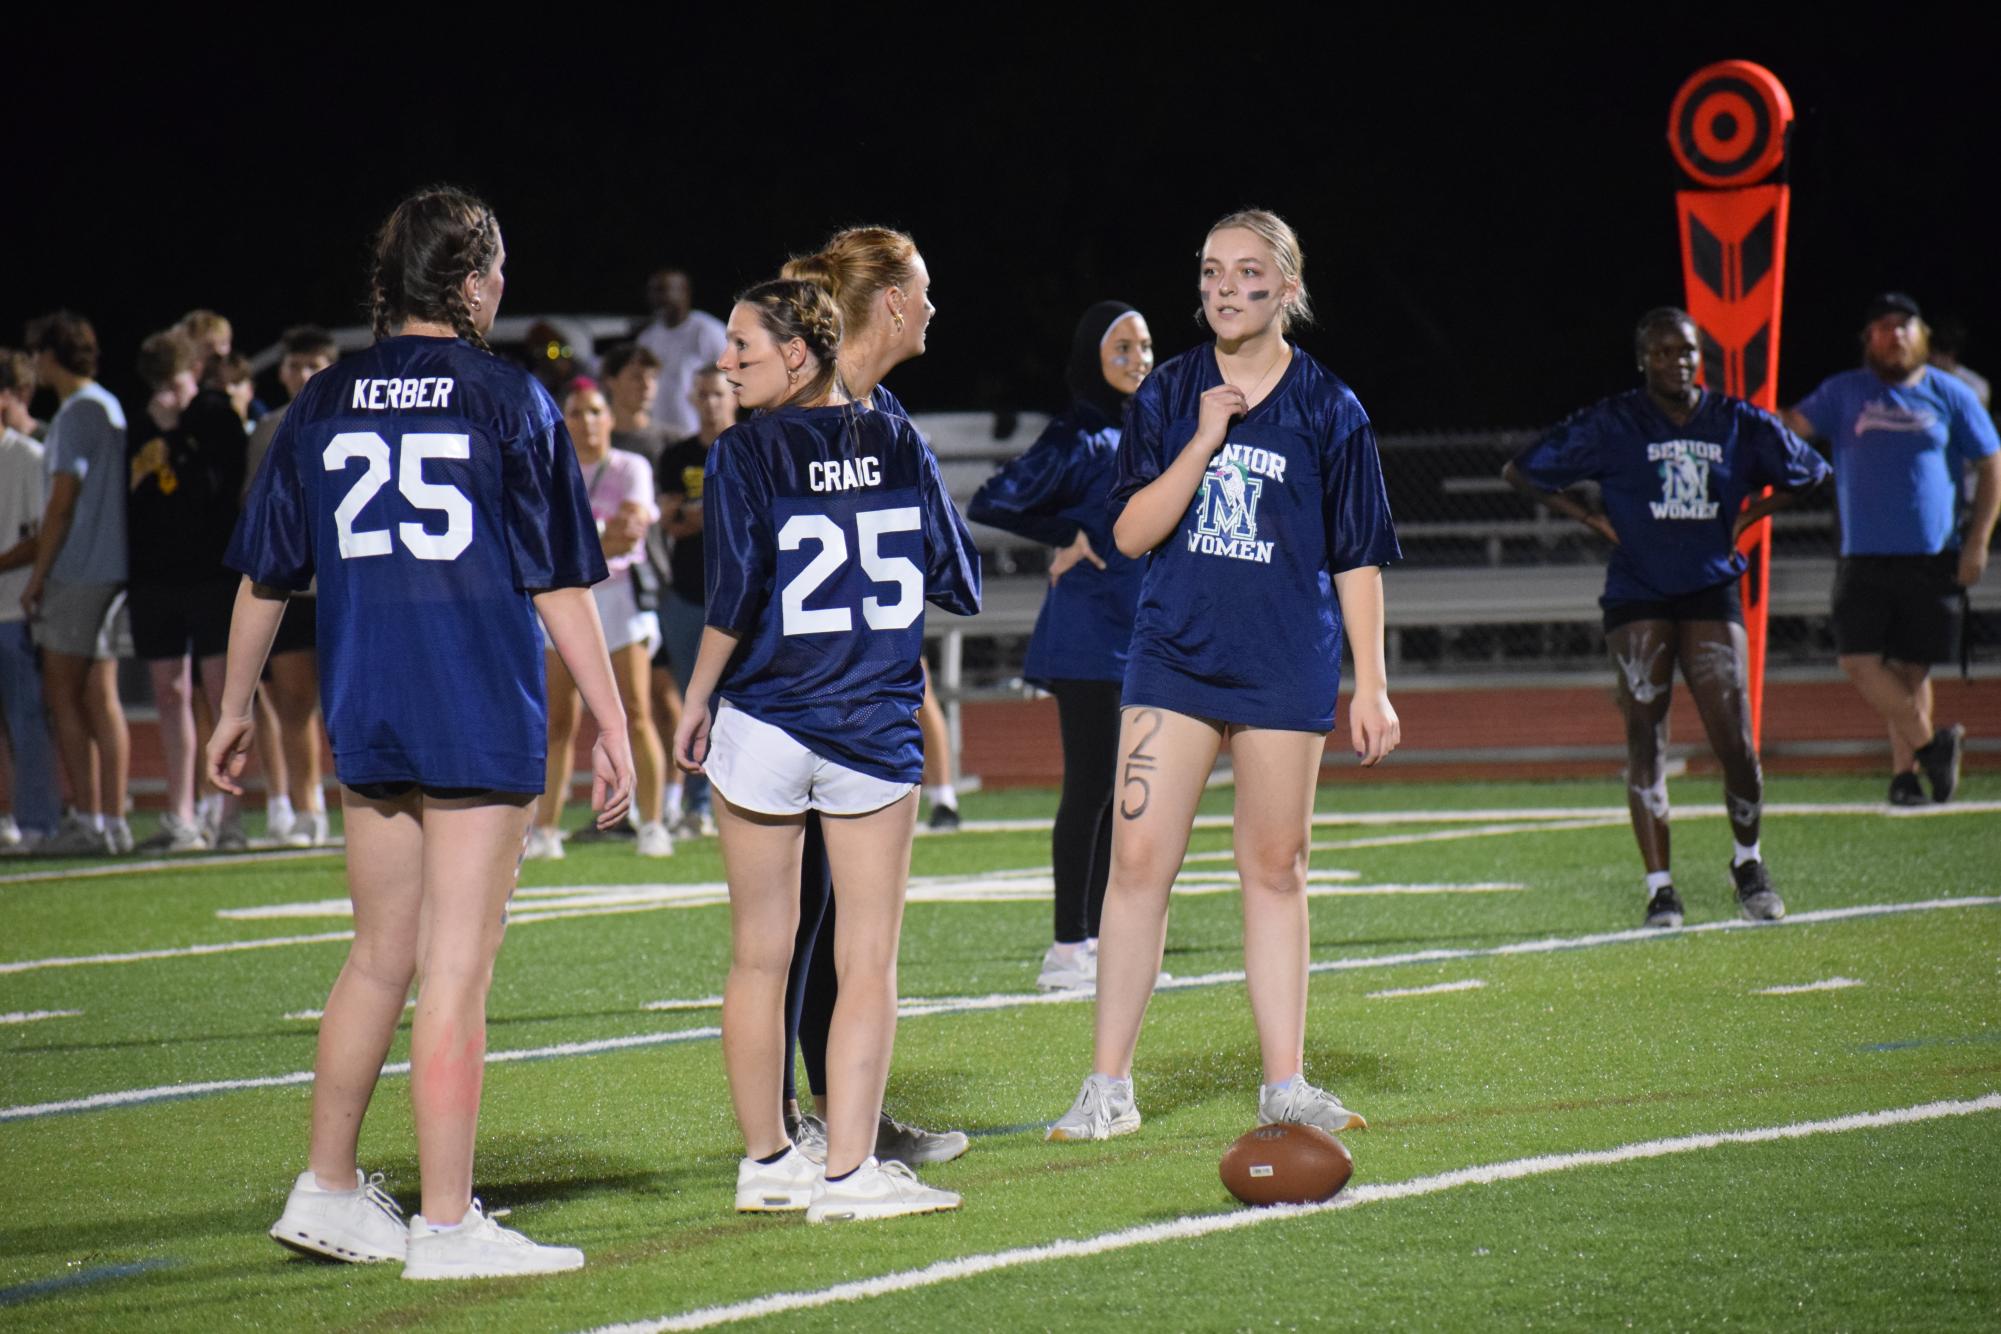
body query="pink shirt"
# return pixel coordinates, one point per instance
(617, 478)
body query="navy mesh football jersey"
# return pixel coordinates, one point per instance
(432, 488)
(1672, 492)
(827, 530)
(1238, 619)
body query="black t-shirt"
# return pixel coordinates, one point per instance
(186, 487)
(680, 474)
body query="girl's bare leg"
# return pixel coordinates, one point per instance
(563, 709)
(1644, 653)
(295, 694)
(632, 666)
(1164, 762)
(761, 858)
(1277, 773)
(171, 679)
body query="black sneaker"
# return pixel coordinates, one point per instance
(1664, 908)
(1939, 758)
(944, 817)
(1756, 898)
(1906, 790)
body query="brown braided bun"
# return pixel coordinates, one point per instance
(422, 256)
(790, 308)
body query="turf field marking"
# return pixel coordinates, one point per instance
(1828, 984)
(1477, 831)
(335, 849)
(321, 1014)
(919, 1007)
(83, 1278)
(36, 1016)
(1437, 989)
(1202, 1225)
(693, 1003)
(179, 952)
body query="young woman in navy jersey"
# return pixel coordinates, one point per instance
(1055, 493)
(1675, 465)
(433, 490)
(882, 286)
(1248, 480)
(830, 528)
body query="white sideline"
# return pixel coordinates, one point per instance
(1436, 989)
(36, 1016)
(178, 952)
(1202, 1225)
(919, 1007)
(1828, 984)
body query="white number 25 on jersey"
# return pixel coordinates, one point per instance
(438, 497)
(870, 525)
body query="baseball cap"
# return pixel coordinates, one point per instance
(1891, 303)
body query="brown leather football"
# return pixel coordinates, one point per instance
(1286, 1164)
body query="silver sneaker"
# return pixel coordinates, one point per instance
(481, 1248)
(359, 1226)
(898, 1143)
(1104, 1109)
(776, 1188)
(876, 1190)
(1070, 969)
(809, 1136)
(174, 835)
(76, 838)
(1303, 1104)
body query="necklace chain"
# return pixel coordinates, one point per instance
(1252, 391)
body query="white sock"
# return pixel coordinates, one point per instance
(671, 798)
(278, 810)
(1744, 854)
(1657, 881)
(944, 794)
(1285, 1083)
(1067, 950)
(97, 821)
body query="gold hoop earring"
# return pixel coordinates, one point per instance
(898, 317)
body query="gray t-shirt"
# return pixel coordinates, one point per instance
(21, 492)
(684, 349)
(87, 441)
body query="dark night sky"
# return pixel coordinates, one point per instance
(1485, 212)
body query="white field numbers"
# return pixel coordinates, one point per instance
(438, 497)
(870, 525)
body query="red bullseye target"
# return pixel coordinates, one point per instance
(1728, 124)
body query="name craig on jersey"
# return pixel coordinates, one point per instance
(428, 391)
(844, 474)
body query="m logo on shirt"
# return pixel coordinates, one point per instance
(1684, 470)
(1894, 417)
(1226, 514)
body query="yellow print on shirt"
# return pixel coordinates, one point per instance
(151, 461)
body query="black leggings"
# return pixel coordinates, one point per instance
(1081, 846)
(812, 985)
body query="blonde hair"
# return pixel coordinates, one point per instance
(199, 324)
(854, 265)
(1276, 233)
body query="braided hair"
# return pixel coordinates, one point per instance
(790, 308)
(422, 256)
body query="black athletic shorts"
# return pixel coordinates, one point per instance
(1904, 608)
(299, 630)
(1721, 603)
(169, 620)
(391, 791)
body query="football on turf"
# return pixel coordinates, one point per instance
(1286, 1164)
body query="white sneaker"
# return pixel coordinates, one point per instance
(1067, 968)
(279, 822)
(10, 832)
(694, 824)
(1104, 1109)
(655, 841)
(876, 1190)
(118, 836)
(809, 1136)
(360, 1226)
(1301, 1103)
(481, 1248)
(776, 1188)
(309, 830)
(545, 844)
(175, 835)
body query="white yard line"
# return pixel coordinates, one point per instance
(1437, 989)
(1828, 984)
(1202, 1225)
(100, 869)
(181, 952)
(36, 1016)
(1011, 1000)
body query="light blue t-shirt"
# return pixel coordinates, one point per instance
(87, 441)
(1898, 451)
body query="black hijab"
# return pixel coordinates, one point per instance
(1086, 374)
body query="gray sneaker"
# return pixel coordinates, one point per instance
(1756, 898)
(1104, 1109)
(1302, 1104)
(76, 838)
(175, 835)
(896, 1142)
(809, 1136)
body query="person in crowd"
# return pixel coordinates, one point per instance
(838, 529)
(683, 340)
(882, 285)
(1948, 342)
(1248, 478)
(291, 675)
(442, 572)
(1902, 432)
(682, 606)
(185, 481)
(76, 583)
(619, 489)
(1681, 471)
(30, 818)
(1056, 494)
(630, 375)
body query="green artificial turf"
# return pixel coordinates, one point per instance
(153, 1215)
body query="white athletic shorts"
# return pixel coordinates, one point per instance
(761, 768)
(618, 611)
